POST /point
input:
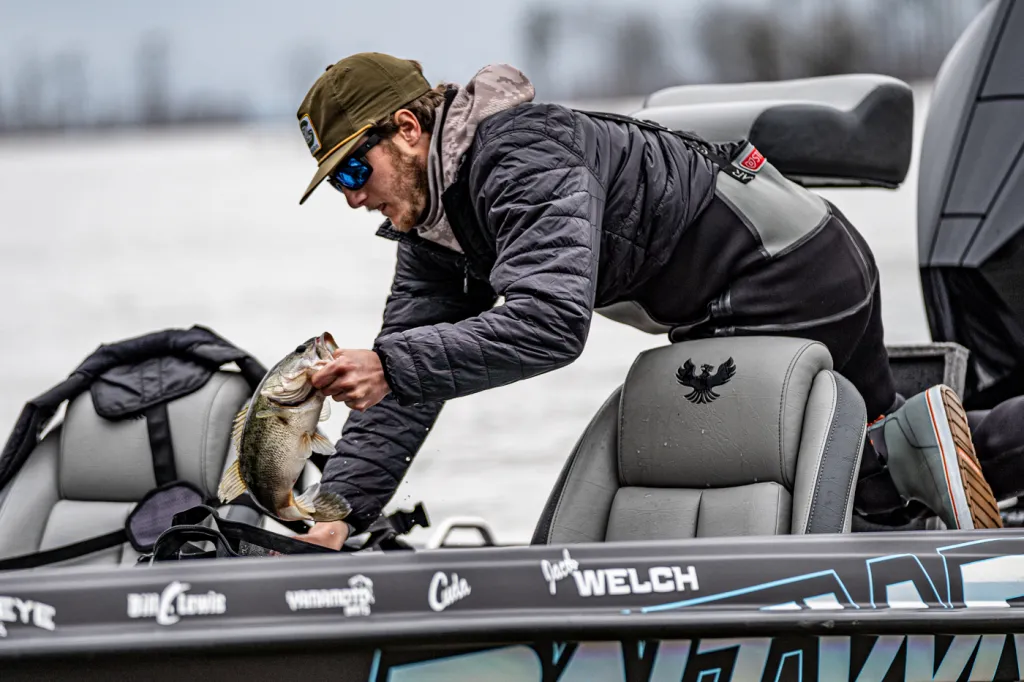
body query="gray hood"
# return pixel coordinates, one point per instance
(494, 88)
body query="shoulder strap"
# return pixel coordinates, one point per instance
(71, 551)
(159, 428)
(723, 156)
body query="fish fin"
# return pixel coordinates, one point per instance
(293, 512)
(238, 426)
(321, 444)
(330, 507)
(304, 502)
(231, 485)
(325, 411)
(321, 505)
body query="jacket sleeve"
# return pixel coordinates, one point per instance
(544, 207)
(378, 444)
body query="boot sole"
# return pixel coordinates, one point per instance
(974, 504)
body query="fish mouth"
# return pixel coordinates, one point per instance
(327, 343)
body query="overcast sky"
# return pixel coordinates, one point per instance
(268, 52)
(259, 48)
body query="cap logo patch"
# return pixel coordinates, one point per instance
(309, 133)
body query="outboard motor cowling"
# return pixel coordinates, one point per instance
(971, 203)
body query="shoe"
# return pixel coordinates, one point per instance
(926, 444)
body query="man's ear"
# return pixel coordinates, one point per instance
(408, 127)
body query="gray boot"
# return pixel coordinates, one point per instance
(927, 446)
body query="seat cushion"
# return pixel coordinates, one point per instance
(102, 460)
(746, 429)
(28, 498)
(666, 514)
(577, 508)
(71, 521)
(88, 473)
(774, 449)
(834, 429)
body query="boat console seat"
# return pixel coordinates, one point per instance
(86, 475)
(715, 437)
(845, 130)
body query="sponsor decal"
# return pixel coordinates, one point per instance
(622, 581)
(753, 160)
(445, 591)
(27, 612)
(309, 134)
(354, 600)
(559, 570)
(600, 582)
(703, 384)
(175, 601)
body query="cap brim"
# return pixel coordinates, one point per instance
(329, 164)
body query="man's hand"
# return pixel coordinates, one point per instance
(354, 377)
(330, 534)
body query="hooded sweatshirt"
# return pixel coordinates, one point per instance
(494, 88)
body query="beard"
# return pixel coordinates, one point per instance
(411, 184)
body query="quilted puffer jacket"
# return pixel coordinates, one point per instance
(563, 213)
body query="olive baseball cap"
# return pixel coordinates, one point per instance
(357, 93)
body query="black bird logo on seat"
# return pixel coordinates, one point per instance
(704, 384)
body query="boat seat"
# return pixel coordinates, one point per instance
(773, 450)
(87, 473)
(845, 130)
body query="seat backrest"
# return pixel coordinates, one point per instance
(87, 474)
(715, 437)
(851, 129)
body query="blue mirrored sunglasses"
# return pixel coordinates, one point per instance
(354, 170)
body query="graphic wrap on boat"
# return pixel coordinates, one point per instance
(853, 607)
(866, 658)
(894, 581)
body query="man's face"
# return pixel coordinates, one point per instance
(398, 185)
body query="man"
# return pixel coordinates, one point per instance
(491, 194)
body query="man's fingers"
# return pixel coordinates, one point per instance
(323, 376)
(330, 371)
(339, 387)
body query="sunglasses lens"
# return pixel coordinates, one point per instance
(352, 174)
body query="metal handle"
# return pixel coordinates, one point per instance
(440, 537)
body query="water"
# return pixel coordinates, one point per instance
(107, 238)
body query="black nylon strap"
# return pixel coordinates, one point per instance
(187, 525)
(244, 500)
(159, 427)
(404, 521)
(700, 145)
(75, 549)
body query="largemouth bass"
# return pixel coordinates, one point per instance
(274, 434)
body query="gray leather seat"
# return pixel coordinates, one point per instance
(87, 474)
(845, 130)
(776, 452)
